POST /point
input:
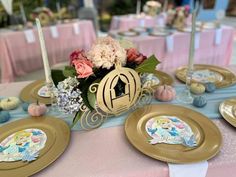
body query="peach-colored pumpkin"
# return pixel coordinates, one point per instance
(37, 109)
(165, 93)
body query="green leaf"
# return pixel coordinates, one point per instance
(69, 71)
(91, 99)
(57, 76)
(76, 119)
(84, 88)
(149, 65)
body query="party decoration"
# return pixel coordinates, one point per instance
(103, 82)
(210, 87)
(170, 130)
(199, 101)
(37, 109)
(44, 14)
(152, 8)
(177, 18)
(23, 145)
(9, 103)
(165, 93)
(197, 88)
(111, 98)
(25, 106)
(4, 116)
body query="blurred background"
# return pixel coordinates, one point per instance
(20, 52)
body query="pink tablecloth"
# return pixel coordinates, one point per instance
(207, 53)
(105, 152)
(126, 22)
(17, 57)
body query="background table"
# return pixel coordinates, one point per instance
(106, 152)
(17, 57)
(207, 53)
(126, 22)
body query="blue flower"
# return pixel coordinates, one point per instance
(27, 157)
(190, 142)
(35, 133)
(173, 132)
(152, 131)
(174, 120)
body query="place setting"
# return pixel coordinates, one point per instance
(220, 76)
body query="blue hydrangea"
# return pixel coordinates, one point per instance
(68, 95)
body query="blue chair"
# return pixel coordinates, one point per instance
(210, 14)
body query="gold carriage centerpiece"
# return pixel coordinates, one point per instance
(118, 92)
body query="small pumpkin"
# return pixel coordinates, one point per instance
(25, 106)
(197, 88)
(199, 101)
(37, 109)
(165, 93)
(4, 116)
(210, 87)
(10, 103)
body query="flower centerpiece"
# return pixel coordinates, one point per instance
(106, 62)
(178, 17)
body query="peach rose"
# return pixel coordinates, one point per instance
(83, 67)
(134, 56)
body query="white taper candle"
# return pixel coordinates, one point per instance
(138, 7)
(192, 41)
(47, 70)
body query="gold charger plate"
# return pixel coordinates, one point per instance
(58, 137)
(228, 110)
(164, 78)
(207, 134)
(29, 93)
(228, 77)
(129, 33)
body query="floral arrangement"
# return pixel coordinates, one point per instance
(177, 17)
(88, 67)
(152, 8)
(45, 15)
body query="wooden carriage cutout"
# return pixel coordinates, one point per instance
(118, 92)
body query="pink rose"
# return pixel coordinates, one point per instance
(77, 55)
(134, 56)
(84, 68)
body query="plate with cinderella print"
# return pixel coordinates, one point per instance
(166, 133)
(29, 145)
(44, 92)
(155, 79)
(221, 77)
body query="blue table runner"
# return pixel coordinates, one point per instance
(211, 110)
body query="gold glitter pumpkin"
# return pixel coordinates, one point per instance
(127, 81)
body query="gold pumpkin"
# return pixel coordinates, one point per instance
(197, 88)
(107, 98)
(9, 103)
